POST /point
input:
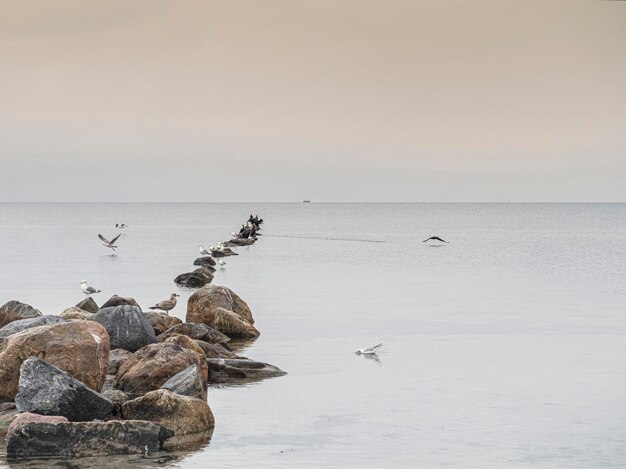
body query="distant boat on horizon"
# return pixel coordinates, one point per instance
(306, 201)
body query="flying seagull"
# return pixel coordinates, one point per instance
(166, 305)
(107, 243)
(222, 263)
(88, 289)
(369, 350)
(203, 251)
(121, 225)
(435, 238)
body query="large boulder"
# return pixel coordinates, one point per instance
(184, 342)
(240, 371)
(187, 383)
(45, 389)
(23, 324)
(79, 347)
(117, 300)
(161, 322)
(15, 310)
(75, 439)
(127, 326)
(206, 300)
(181, 414)
(73, 313)
(196, 331)
(193, 279)
(149, 368)
(116, 358)
(89, 305)
(205, 261)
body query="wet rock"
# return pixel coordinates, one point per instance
(187, 383)
(216, 350)
(127, 326)
(29, 417)
(75, 313)
(23, 324)
(45, 389)
(161, 322)
(193, 279)
(225, 253)
(196, 331)
(89, 305)
(237, 371)
(149, 368)
(79, 347)
(116, 358)
(205, 271)
(15, 310)
(205, 261)
(240, 242)
(184, 342)
(117, 300)
(181, 414)
(75, 439)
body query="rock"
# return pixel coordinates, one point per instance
(220, 308)
(196, 331)
(29, 417)
(45, 389)
(75, 439)
(79, 347)
(181, 414)
(240, 242)
(225, 253)
(236, 371)
(116, 358)
(23, 324)
(14, 310)
(184, 342)
(205, 261)
(216, 350)
(127, 326)
(8, 413)
(117, 300)
(161, 322)
(89, 305)
(74, 313)
(193, 279)
(205, 271)
(149, 368)
(117, 398)
(187, 383)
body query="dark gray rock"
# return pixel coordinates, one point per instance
(193, 279)
(15, 310)
(187, 383)
(45, 389)
(117, 300)
(23, 324)
(225, 253)
(75, 439)
(240, 371)
(89, 305)
(206, 271)
(128, 328)
(196, 331)
(205, 261)
(117, 398)
(116, 358)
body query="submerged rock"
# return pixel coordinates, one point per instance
(236, 371)
(89, 305)
(161, 322)
(45, 389)
(79, 347)
(15, 310)
(23, 324)
(127, 326)
(187, 383)
(205, 261)
(149, 368)
(116, 358)
(74, 439)
(196, 331)
(193, 279)
(181, 414)
(117, 300)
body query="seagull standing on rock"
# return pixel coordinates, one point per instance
(88, 289)
(166, 305)
(203, 251)
(369, 350)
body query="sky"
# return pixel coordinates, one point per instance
(285, 100)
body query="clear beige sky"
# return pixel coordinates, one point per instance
(274, 100)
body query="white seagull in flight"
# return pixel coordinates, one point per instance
(107, 243)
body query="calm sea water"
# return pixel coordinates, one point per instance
(505, 348)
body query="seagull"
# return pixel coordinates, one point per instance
(166, 305)
(88, 289)
(203, 251)
(435, 238)
(107, 243)
(121, 225)
(369, 350)
(222, 263)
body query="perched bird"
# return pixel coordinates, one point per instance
(166, 305)
(369, 350)
(88, 289)
(435, 238)
(203, 251)
(121, 225)
(107, 243)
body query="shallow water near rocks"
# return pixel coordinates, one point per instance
(504, 348)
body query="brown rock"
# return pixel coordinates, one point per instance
(207, 299)
(181, 414)
(79, 347)
(116, 358)
(216, 350)
(196, 331)
(184, 342)
(161, 321)
(14, 310)
(150, 367)
(89, 305)
(75, 313)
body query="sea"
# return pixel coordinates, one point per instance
(505, 347)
